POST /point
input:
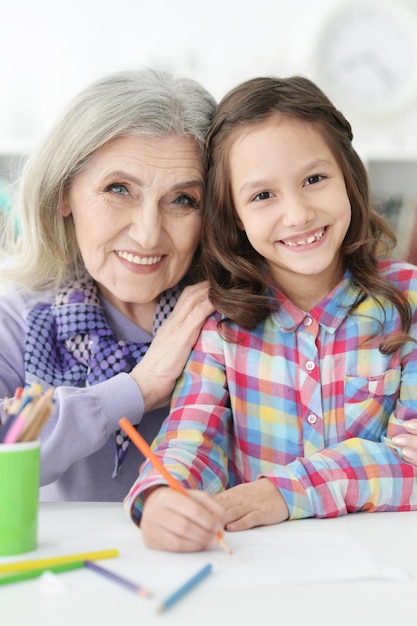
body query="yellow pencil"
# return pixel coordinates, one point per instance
(19, 566)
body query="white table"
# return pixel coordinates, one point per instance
(70, 600)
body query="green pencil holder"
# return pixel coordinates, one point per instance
(19, 497)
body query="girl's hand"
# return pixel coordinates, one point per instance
(157, 372)
(258, 503)
(408, 441)
(172, 521)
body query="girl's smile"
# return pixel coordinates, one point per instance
(305, 240)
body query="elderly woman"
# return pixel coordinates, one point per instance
(104, 297)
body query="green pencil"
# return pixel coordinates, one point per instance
(35, 573)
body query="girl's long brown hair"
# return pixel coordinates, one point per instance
(238, 276)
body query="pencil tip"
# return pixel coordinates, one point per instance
(224, 545)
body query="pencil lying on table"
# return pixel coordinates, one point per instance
(17, 577)
(185, 588)
(53, 561)
(26, 570)
(123, 582)
(141, 444)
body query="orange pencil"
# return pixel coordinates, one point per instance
(141, 444)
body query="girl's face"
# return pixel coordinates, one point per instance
(291, 200)
(135, 210)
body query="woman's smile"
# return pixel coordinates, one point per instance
(140, 264)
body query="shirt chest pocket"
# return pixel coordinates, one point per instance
(369, 403)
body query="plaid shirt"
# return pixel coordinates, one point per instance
(306, 400)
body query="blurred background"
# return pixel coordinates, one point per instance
(363, 53)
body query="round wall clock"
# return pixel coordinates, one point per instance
(367, 56)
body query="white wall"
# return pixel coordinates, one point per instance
(50, 50)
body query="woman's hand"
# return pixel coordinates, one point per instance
(258, 503)
(165, 359)
(408, 441)
(172, 521)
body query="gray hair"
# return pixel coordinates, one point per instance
(133, 102)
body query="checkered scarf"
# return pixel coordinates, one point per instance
(69, 343)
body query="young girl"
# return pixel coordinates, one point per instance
(293, 391)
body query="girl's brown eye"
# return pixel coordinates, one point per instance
(311, 180)
(263, 195)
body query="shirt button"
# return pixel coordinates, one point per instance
(310, 365)
(307, 321)
(311, 418)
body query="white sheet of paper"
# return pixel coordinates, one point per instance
(279, 555)
(290, 558)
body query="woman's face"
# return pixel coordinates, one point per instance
(136, 214)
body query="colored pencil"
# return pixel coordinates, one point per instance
(27, 414)
(16, 400)
(19, 566)
(18, 425)
(13, 413)
(127, 584)
(185, 588)
(41, 412)
(7, 426)
(141, 444)
(35, 573)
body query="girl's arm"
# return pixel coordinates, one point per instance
(193, 440)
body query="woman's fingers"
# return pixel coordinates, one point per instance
(167, 355)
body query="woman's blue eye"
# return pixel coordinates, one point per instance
(186, 200)
(117, 188)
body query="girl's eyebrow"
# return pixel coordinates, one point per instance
(254, 184)
(317, 163)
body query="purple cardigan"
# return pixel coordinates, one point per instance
(77, 444)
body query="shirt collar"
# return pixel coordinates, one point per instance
(329, 313)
